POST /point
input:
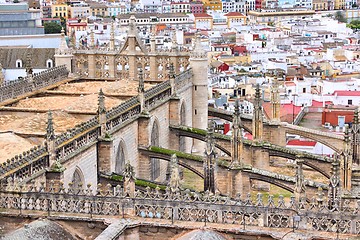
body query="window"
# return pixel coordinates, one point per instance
(49, 63)
(18, 63)
(349, 101)
(120, 159)
(304, 90)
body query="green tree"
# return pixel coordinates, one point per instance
(52, 27)
(355, 24)
(340, 17)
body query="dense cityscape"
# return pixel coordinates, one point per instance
(156, 119)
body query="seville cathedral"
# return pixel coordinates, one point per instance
(103, 145)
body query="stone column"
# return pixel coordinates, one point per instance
(153, 68)
(210, 162)
(199, 65)
(91, 65)
(260, 160)
(237, 139)
(112, 67)
(105, 149)
(174, 119)
(54, 180)
(144, 171)
(275, 101)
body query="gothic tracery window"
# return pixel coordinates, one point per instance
(120, 159)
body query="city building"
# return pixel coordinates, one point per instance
(17, 19)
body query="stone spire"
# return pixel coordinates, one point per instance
(101, 113)
(63, 54)
(355, 138)
(141, 87)
(210, 161)
(132, 27)
(346, 162)
(334, 183)
(300, 187)
(174, 182)
(275, 100)
(236, 140)
(55, 165)
(199, 51)
(112, 37)
(153, 39)
(172, 76)
(141, 91)
(29, 69)
(257, 123)
(92, 39)
(174, 44)
(50, 133)
(63, 45)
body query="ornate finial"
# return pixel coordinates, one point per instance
(210, 144)
(172, 71)
(299, 177)
(347, 137)
(62, 32)
(237, 106)
(356, 116)
(29, 69)
(174, 182)
(101, 102)
(132, 25)
(129, 172)
(112, 30)
(92, 38)
(50, 133)
(210, 161)
(174, 44)
(257, 92)
(335, 171)
(141, 87)
(199, 51)
(112, 37)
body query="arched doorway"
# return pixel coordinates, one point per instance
(155, 163)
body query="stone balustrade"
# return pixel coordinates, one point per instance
(317, 215)
(33, 82)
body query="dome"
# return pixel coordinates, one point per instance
(201, 235)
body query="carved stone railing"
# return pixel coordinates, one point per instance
(312, 131)
(316, 215)
(183, 79)
(36, 81)
(157, 94)
(300, 116)
(26, 164)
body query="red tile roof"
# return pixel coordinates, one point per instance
(202, 15)
(234, 14)
(347, 93)
(303, 143)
